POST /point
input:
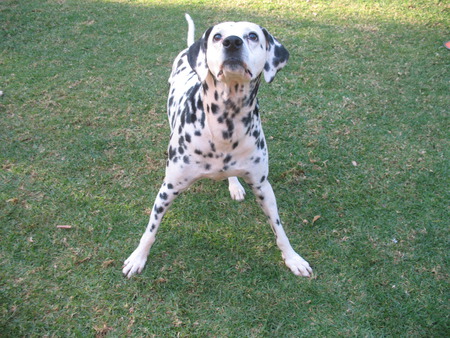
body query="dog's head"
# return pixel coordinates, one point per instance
(237, 51)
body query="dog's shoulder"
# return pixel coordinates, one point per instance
(181, 70)
(184, 103)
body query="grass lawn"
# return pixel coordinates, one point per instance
(358, 131)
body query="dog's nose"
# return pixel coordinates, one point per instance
(232, 43)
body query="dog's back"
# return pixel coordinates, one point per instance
(184, 86)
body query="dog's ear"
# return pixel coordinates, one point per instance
(197, 56)
(277, 57)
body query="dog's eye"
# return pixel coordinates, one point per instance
(253, 37)
(217, 37)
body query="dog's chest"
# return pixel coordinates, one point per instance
(218, 134)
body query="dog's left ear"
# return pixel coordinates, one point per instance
(197, 56)
(277, 57)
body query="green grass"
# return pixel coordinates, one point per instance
(357, 126)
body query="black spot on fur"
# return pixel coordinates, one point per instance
(187, 137)
(214, 108)
(230, 125)
(159, 210)
(251, 99)
(202, 119)
(182, 119)
(200, 104)
(261, 144)
(227, 158)
(180, 70)
(172, 153)
(163, 195)
(191, 117)
(188, 114)
(281, 55)
(247, 120)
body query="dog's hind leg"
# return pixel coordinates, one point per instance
(237, 191)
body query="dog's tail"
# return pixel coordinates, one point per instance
(191, 30)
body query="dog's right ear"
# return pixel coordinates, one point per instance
(197, 56)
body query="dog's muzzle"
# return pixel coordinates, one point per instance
(233, 56)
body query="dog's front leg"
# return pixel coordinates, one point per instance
(266, 198)
(136, 262)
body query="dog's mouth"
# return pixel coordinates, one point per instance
(234, 67)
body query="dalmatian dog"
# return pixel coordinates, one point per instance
(216, 126)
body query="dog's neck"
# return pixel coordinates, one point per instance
(227, 105)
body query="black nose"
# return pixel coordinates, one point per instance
(232, 43)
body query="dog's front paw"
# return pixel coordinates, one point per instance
(297, 264)
(134, 264)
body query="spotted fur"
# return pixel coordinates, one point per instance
(216, 127)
